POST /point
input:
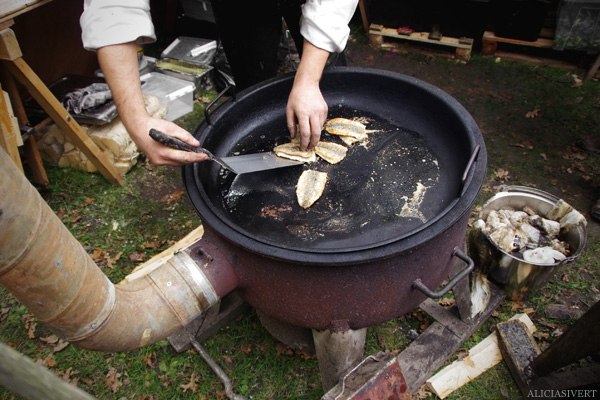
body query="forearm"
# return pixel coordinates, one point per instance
(311, 65)
(120, 67)
(306, 106)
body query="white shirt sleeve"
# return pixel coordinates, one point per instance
(324, 23)
(108, 22)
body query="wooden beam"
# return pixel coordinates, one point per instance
(8, 133)
(580, 340)
(9, 47)
(34, 160)
(38, 90)
(482, 357)
(440, 340)
(25, 378)
(518, 348)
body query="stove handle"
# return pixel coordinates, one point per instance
(227, 88)
(418, 284)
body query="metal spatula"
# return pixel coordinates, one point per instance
(239, 164)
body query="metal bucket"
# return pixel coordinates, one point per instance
(514, 274)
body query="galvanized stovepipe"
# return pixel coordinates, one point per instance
(49, 272)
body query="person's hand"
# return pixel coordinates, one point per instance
(308, 108)
(119, 65)
(158, 153)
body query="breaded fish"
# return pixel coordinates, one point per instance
(292, 151)
(310, 187)
(333, 153)
(349, 130)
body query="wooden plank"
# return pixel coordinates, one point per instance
(584, 377)
(422, 37)
(489, 36)
(9, 9)
(9, 47)
(462, 47)
(364, 16)
(433, 347)
(165, 255)
(593, 69)
(21, 71)
(8, 135)
(34, 160)
(25, 378)
(481, 357)
(518, 348)
(533, 60)
(580, 340)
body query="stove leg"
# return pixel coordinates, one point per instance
(338, 350)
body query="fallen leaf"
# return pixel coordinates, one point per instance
(148, 359)
(447, 301)
(191, 385)
(554, 182)
(502, 174)
(88, 201)
(47, 362)
(62, 344)
(515, 305)
(382, 341)
(533, 114)
(544, 156)
(112, 380)
(97, 255)
(306, 356)
(111, 260)
(50, 339)
(173, 196)
(469, 362)
(227, 359)
(153, 245)
(31, 329)
(283, 349)
(137, 257)
(246, 348)
(67, 376)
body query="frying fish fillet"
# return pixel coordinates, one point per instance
(333, 153)
(349, 130)
(292, 151)
(310, 187)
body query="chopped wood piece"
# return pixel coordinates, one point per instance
(481, 357)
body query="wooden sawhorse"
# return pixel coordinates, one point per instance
(15, 67)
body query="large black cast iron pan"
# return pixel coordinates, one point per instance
(419, 172)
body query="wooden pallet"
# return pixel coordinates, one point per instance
(545, 41)
(462, 46)
(490, 42)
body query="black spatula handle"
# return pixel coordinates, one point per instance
(174, 143)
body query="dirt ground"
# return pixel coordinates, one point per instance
(533, 147)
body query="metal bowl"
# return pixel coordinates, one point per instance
(509, 271)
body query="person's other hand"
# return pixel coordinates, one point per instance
(306, 107)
